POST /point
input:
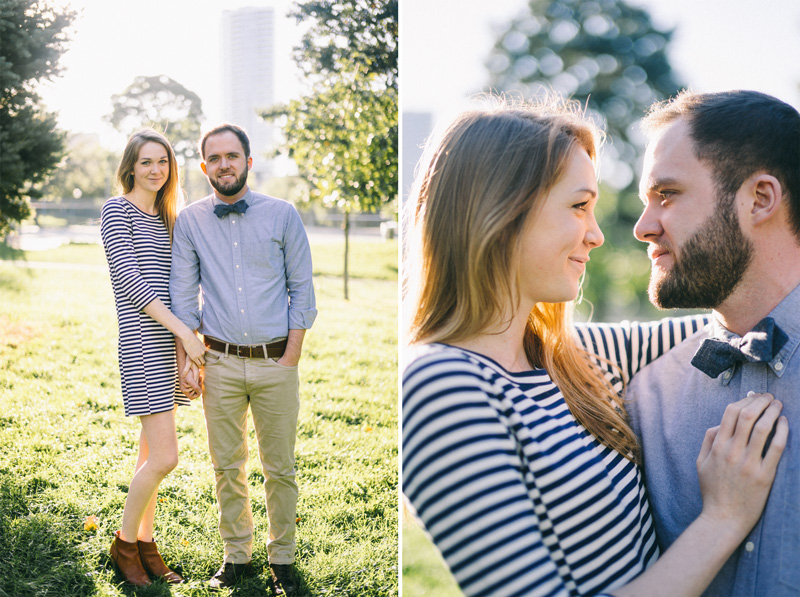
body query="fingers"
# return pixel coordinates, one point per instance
(708, 441)
(763, 430)
(740, 417)
(778, 443)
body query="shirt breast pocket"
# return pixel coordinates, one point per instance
(264, 258)
(790, 532)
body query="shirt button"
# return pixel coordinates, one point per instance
(237, 266)
(749, 546)
(235, 244)
(233, 221)
(245, 334)
(726, 375)
(242, 310)
(778, 366)
(240, 289)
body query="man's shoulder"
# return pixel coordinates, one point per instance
(196, 210)
(259, 199)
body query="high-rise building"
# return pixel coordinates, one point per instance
(248, 73)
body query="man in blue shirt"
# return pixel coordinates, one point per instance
(721, 192)
(250, 255)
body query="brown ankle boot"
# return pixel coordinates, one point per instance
(153, 563)
(126, 556)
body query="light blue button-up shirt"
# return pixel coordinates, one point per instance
(671, 406)
(254, 270)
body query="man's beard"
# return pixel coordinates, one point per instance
(229, 189)
(711, 264)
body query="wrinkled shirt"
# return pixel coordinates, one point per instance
(671, 405)
(254, 270)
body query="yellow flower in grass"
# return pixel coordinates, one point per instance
(91, 523)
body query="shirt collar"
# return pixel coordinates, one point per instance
(248, 197)
(785, 316)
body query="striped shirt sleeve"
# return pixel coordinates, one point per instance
(632, 345)
(117, 235)
(460, 463)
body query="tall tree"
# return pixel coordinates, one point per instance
(343, 133)
(34, 36)
(610, 57)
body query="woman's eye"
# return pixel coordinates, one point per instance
(581, 206)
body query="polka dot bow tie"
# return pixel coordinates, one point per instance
(223, 209)
(760, 345)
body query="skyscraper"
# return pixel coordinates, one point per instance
(248, 73)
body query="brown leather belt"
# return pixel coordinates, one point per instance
(274, 350)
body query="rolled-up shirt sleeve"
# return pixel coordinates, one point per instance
(184, 279)
(299, 283)
(117, 236)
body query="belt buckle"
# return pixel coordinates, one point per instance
(239, 352)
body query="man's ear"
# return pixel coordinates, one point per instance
(765, 197)
(203, 167)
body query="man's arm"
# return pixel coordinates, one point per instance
(184, 284)
(294, 346)
(299, 282)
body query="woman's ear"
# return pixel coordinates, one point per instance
(764, 196)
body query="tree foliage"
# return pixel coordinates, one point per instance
(343, 133)
(359, 33)
(610, 57)
(34, 36)
(344, 143)
(163, 104)
(87, 171)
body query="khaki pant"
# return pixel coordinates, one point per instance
(272, 393)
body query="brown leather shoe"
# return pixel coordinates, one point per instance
(283, 579)
(229, 574)
(154, 564)
(126, 556)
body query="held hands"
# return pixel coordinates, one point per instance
(191, 381)
(195, 351)
(735, 479)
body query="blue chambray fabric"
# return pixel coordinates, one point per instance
(671, 404)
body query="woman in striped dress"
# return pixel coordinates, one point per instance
(136, 229)
(517, 457)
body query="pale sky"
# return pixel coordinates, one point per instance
(718, 45)
(113, 42)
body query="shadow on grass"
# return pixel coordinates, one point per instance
(10, 253)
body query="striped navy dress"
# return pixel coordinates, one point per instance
(519, 498)
(139, 257)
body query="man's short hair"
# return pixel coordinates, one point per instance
(738, 133)
(223, 128)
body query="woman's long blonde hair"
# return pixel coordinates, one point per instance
(168, 198)
(483, 180)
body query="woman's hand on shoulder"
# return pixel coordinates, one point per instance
(738, 460)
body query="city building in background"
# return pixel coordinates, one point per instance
(248, 79)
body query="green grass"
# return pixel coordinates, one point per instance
(424, 571)
(367, 259)
(67, 451)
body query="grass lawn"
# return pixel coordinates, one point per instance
(67, 451)
(424, 571)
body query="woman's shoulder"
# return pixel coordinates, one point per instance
(115, 204)
(424, 357)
